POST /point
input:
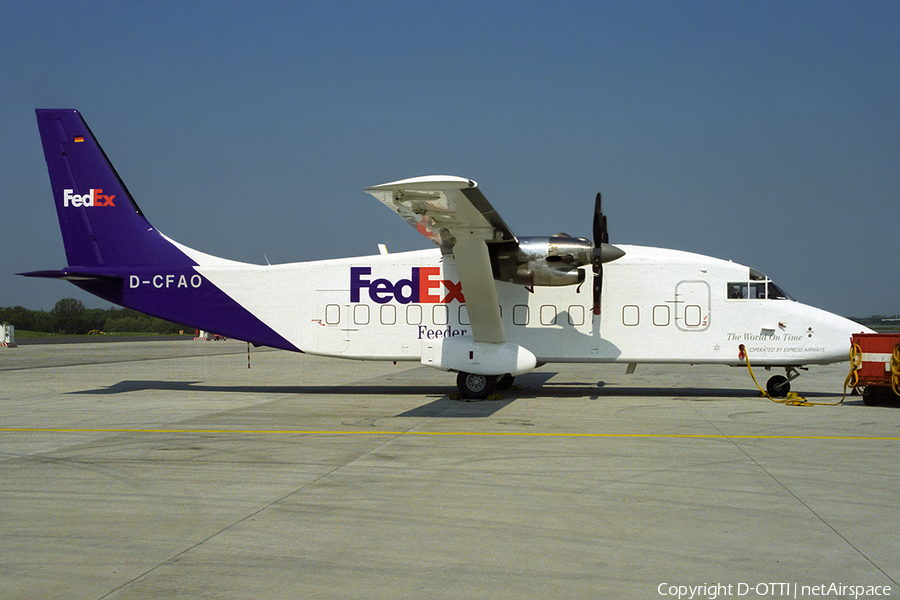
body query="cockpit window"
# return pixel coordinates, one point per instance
(757, 276)
(776, 293)
(754, 290)
(759, 287)
(737, 290)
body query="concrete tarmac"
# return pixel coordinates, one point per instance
(171, 470)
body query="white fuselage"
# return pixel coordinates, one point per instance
(660, 306)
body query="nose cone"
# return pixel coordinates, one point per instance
(831, 333)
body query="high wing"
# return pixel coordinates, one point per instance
(454, 214)
(437, 204)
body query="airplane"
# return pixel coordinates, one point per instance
(484, 303)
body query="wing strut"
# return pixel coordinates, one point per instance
(474, 268)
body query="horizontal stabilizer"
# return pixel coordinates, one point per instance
(72, 275)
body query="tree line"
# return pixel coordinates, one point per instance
(883, 323)
(69, 316)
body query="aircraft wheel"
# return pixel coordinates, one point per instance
(778, 386)
(504, 382)
(475, 386)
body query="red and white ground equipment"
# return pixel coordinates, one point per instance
(876, 366)
(7, 336)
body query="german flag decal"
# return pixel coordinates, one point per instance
(79, 139)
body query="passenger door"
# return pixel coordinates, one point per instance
(692, 305)
(333, 315)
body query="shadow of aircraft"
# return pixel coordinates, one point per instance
(443, 405)
(197, 386)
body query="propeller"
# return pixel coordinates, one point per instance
(603, 251)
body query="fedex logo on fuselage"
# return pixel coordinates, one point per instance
(423, 286)
(93, 198)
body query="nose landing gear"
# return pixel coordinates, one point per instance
(778, 386)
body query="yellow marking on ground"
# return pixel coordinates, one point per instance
(714, 436)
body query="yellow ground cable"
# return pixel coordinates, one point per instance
(792, 398)
(855, 362)
(895, 370)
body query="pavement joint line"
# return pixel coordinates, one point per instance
(719, 436)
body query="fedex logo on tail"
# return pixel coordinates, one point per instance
(93, 198)
(423, 286)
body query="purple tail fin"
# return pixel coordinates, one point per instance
(114, 252)
(101, 224)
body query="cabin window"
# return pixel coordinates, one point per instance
(548, 315)
(576, 315)
(464, 315)
(660, 315)
(440, 314)
(361, 314)
(414, 314)
(332, 314)
(520, 314)
(388, 314)
(631, 315)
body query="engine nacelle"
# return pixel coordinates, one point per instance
(550, 261)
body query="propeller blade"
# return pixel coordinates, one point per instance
(598, 289)
(599, 221)
(603, 251)
(596, 258)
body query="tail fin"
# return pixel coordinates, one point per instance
(115, 253)
(101, 223)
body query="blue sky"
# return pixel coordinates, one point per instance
(767, 133)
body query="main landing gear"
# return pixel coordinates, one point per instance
(473, 386)
(778, 386)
